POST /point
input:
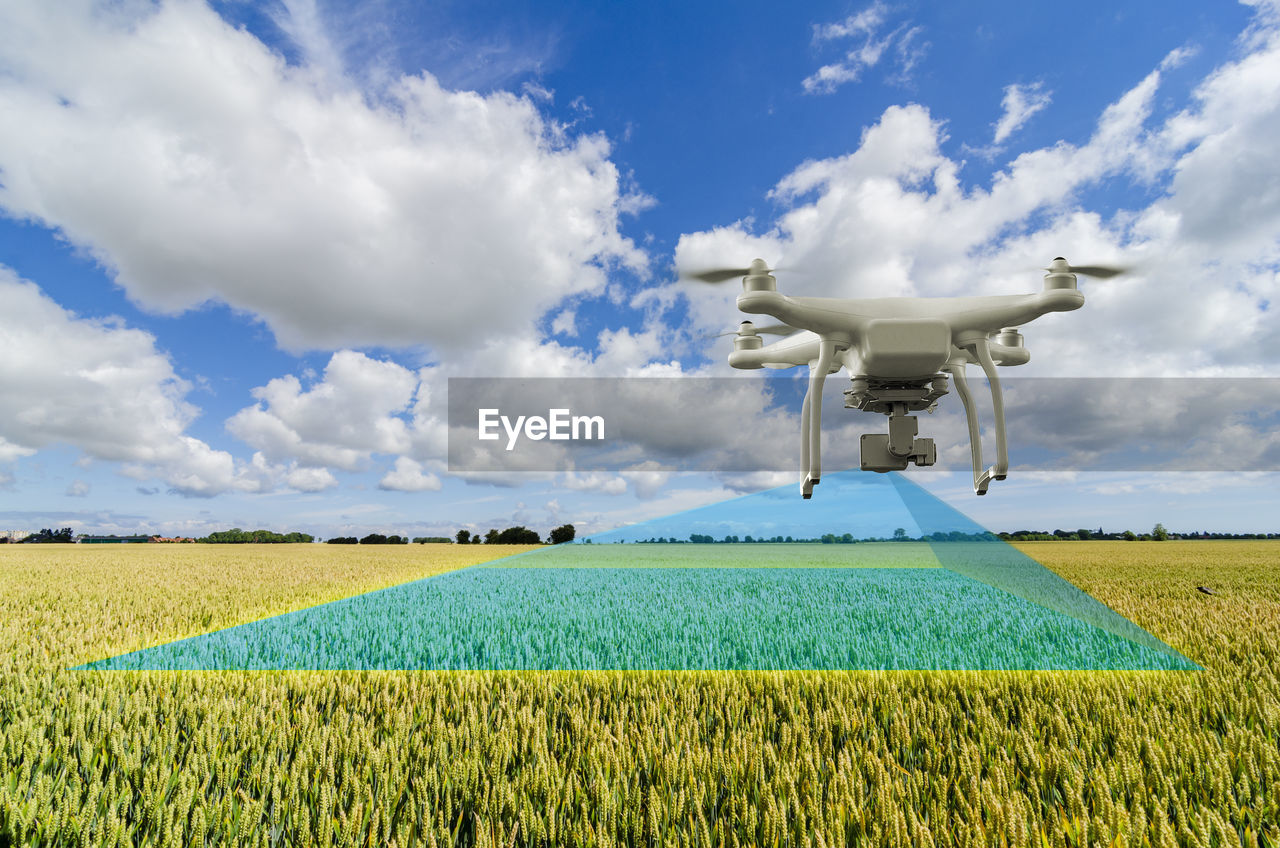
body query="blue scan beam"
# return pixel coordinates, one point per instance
(958, 602)
(963, 546)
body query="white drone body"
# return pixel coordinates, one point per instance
(898, 352)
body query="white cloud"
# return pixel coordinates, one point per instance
(310, 479)
(407, 476)
(592, 481)
(419, 216)
(1020, 103)
(865, 28)
(864, 22)
(102, 388)
(647, 478)
(302, 22)
(565, 323)
(538, 92)
(78, 489)
(355, 411)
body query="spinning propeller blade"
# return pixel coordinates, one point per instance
(767, 330)
(1101, 272)
(716, 275)
(720, 275)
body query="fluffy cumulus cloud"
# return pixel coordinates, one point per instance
(420, 216)
(895, 218)
(102, 388)
(356, 409)
(408, 476)
(305, 479)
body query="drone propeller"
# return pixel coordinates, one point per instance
(767, 330)
(720, 275)
(1101, 272)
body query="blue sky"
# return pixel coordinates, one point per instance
(244, 246)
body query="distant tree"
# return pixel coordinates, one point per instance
(475, 540)
(491, 538)
(46, 536)
(1160, 534)
(374, 539)
(1129, 536)
(236, 536)
(1083, 533)
(700, 539)
(519, 535)
(343, 540)
(562, 534)
(464, 537)
(900, 534)
(432, 540)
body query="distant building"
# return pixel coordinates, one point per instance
(170, 539)
(14, 535)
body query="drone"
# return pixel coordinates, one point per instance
(899, 352)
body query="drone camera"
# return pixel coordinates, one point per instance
(877, 453)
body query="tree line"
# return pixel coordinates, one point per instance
(45, 536)
(519, 535)
(899, 535)
(236, 536)
(1157, 534)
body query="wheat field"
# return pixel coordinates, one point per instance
(621, 758)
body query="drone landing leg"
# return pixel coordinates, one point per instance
(806, 488)
(813, 420)
(1001, 469)
(980, 480)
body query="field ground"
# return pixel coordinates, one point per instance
(737, 758)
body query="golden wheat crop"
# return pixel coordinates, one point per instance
(440, 758)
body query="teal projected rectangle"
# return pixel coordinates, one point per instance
(573, 608)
